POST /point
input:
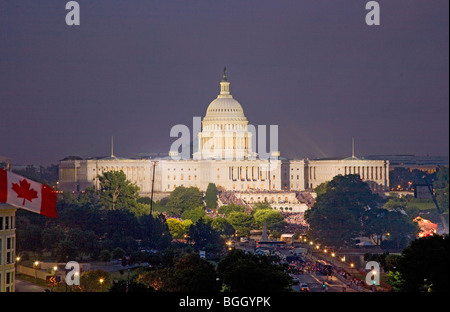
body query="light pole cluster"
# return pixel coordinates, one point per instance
(333, 254)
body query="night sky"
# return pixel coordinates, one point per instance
(133, 69)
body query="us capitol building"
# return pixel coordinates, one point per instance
(225, 156)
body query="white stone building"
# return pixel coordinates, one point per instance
(7, 247)
(225, 156)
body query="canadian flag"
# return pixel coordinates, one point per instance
(23, 193)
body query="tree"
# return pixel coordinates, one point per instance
(176, 228)
(401, 228)
(441, 186)
(380, 221)
(193, 274)
(321, 188)
(261, 206)
(132, 286)
(66, 251)
(194, 214)
(227, 209)
(95, 281)
(120, 223)
(118, 253)
(338, 215)
(241, 222)
(211, 196)
(204, 236)
(274, 219)
(154, 231)
(116, 192)
(423, 265)
(105, 255)
(403, 178)
(183, 198)
(242, 272)
(222, 226)
(189, 274)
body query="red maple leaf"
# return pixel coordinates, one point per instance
(24, 191)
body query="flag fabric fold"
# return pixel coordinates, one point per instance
(21, 192)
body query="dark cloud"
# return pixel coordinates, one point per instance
(133, 69)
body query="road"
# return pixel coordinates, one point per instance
(315, 281)
(24, 286)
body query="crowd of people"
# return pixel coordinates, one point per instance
(295, 222)
(228, 197)
(306, 198)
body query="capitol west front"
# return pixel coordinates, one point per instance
(225, 156)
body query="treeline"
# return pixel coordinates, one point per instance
(346, 209)
(94, 223)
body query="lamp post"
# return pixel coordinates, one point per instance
(35, 264)
(17, 264)
(154, 164)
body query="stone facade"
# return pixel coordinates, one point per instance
(7, 247)
(225, 157)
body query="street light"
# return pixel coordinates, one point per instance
(17, 263)
(154, 164)
(35, 264)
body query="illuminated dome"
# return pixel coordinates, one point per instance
(224, 128)
(224, 107)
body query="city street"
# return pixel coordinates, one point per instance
(315, 281)
(25, 286)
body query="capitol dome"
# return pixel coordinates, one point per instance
(224, 108)
(225, 132)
